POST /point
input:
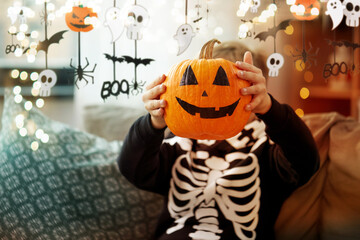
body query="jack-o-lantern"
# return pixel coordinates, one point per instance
(306, 9)
(203, 98)
(76, 20)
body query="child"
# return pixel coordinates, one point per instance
(230, 189)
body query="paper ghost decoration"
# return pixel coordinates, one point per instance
(115, 22)
(274, 62)
(335, 10)
(47, 79)
(184, 35)
(138, 18)
(352, 12)
(19, 13)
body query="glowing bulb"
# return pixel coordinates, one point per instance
(12, 30)
(289, 30)
(304, 93)
(218, 31)
(18, 52)
(25, 43)
(262, 19)
(34, 34)
(290, 2)
(31, 58)
(34, 76)
(50, 7)
(23, 132)
(299, 112)
(23, 75)
(39, 133)
(315, 12)
(23, 27)
(35, 92)
(272, 7)
(45, 138)
(36, 85)
(17, 90)
(28, 105)
(40, 103)
(15, 73)
(18, 98)
(51, 17)
(308, 76)
(20, 36)
(19, 121)
(34, 145)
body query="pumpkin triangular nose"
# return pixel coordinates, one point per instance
(204, 94)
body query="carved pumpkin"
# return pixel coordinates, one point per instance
(203, 98)
(306, 9)
(75, 20)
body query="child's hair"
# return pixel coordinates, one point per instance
(234, 51)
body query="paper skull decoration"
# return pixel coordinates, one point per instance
(203, 98)
(306, 9)
(352, 12)
(77, 19)
(274, 62)
(138, 18)
(47, 80)
(255, 6)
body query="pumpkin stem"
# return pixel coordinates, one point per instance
(207, 50)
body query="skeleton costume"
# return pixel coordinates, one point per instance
(231, 189)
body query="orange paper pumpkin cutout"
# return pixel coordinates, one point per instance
(75, 20)
(309, 9)
(203, 98)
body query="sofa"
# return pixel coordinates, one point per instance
(69, 187)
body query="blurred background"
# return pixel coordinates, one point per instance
(319, 72)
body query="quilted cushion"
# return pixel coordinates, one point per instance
(68, 188)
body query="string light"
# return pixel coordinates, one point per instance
(304, 93)
(299, 112)
(15, 73)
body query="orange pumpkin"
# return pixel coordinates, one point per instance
(75, 20)
(203, 98)
(310, 7)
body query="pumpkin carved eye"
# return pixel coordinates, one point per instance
(188, 77)
(221, 78)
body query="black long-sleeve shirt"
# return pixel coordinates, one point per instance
(230, 189)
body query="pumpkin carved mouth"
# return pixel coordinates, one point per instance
(208, 112)
(80, 25)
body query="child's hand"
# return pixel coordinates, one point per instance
(261, 101)
(153, 104)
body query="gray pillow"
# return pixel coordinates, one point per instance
(110, 121)
(68, 188)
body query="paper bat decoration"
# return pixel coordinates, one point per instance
(113, 58)
(272, 31)
(137, 61)
(343, 43)
(44, 45)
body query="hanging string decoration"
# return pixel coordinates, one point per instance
(20, 36)
(337, 68)
(80, 20)
(335, 9)
(47, 78)
(352, 12)
(275, 61)
(184, 33)
(137, 19)
(116, 24)
(305, 10)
